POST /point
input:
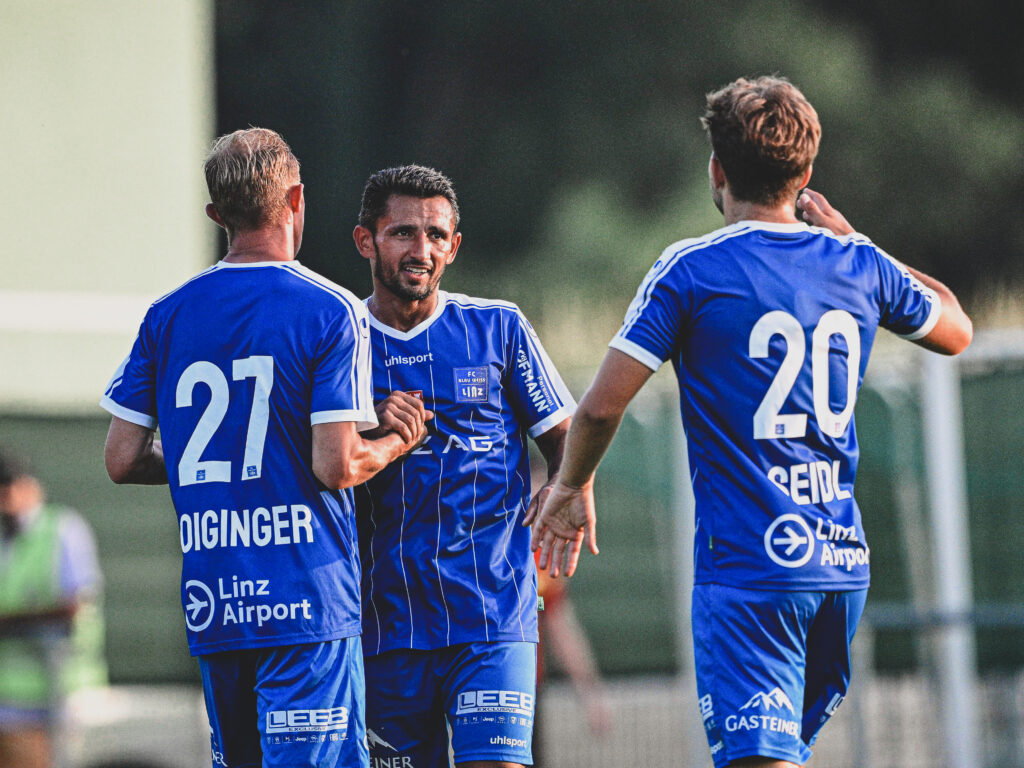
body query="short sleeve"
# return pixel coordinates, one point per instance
(534, 387)
(342, 371)
(650, 330)
(131, 393)
(908, 308)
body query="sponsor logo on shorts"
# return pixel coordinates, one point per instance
(505, 741)
(308, 720)
(239, 604)
(373, 741)
(510, 702)
(751, 718)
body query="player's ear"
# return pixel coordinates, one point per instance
(364, 241)
(211, 211)
(294, 197)
(716, 172)
(807, 176)
(456, 242)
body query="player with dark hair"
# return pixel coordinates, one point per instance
(449, 582)
(768, 323)
(257, 372)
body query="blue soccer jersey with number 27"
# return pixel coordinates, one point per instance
(235, 366)
(769, 328)
(445, 557)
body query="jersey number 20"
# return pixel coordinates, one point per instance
(191, 469)
(769, 424)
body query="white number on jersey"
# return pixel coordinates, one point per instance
(769, 424)
(191, 469)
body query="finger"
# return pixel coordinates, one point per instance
(536, 534)
(545, 551)
(557, 553)
(591, 534)
(572, 555)
(531, 511)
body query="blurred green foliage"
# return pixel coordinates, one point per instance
(571, 131)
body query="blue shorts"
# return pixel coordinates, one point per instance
(771, 667)
(484, 692)
(294, 706)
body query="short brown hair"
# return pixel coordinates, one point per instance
(411, 180)
(765, 134)
(249, 173)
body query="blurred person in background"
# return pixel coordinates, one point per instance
(51, 627)
(257, 372)
(563, 638)
(449, 583)
(768, 323)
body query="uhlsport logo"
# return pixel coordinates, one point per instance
(789, 541)
(199, 605)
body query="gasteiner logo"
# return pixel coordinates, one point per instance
(373, 741)
(776, 698)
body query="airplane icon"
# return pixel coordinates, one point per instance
(792, 538)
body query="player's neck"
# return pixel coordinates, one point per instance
(264, 244)
(744, 210)
(401, 314)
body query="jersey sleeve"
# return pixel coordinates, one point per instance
(342, 371)
(131, 393)
(534, 387)
(650, 330)
(908, 308)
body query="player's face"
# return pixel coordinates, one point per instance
(414, 242)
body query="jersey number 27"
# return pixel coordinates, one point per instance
(191, 469)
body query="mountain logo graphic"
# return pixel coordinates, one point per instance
(374, 740)
(776, 698)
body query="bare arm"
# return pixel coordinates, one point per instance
(132, 454)
(552, 447)
(953, 331)
(568, 515)
(343, 458)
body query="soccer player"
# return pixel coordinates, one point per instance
(449, 582)
(768, 323)
(257, 372)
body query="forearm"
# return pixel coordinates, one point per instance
(352, 459)
(133, 455)
(589, 437)
(24, 621)
(954, 330)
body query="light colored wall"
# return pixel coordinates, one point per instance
(108, 110)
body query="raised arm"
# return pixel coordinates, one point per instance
(132, 454)
(343, 458)
(568, 515)
(952, 333)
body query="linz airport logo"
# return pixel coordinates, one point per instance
(789, 541)
(471, 384)
(199, 605)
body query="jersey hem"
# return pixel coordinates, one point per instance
(635, 351)
(386, 647)
(789, 586)
(127, 414)
(555, 418)
(298, 638)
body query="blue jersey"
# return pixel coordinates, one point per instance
(769, 328)
(235, 366)
(445, 557)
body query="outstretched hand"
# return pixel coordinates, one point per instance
(817, 212)
(567, 517)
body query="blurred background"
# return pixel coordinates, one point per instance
(571, 132)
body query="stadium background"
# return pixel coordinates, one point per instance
(570, 131)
